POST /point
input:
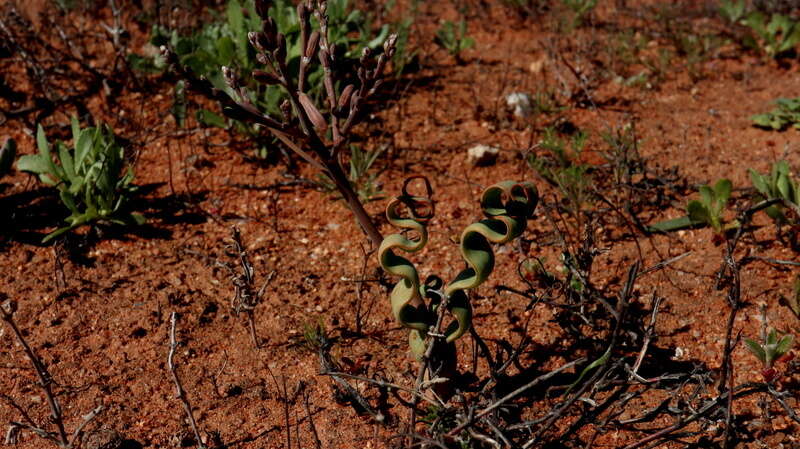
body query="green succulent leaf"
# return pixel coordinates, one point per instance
(784, 345)
(91, 177)
(756, 349)
(33, 163)
(698, 212)
(507, 206)
(723, 189)
(674, 224)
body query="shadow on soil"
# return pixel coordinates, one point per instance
(27, 217)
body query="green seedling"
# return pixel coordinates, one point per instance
(361, 178)
(453, 38)
(580, 9)
(708, 211)
(778, 36)
(93, 179)
(419, 307)
(562, 168)
(786, 114)
(7, 155)
(732, 10)
(770, 351)
(778, 184)
(793, 301)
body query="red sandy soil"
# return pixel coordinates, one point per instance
(100, 321)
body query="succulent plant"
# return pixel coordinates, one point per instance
(507, 206)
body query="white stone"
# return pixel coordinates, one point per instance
(520, 102)
(482, 155)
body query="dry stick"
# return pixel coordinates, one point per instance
(750, 388)
(621, 314)
(311, 425)
(514, 394)
(425, 363)
(173, 345)
(380, 383)
(651, 328)
(45, 380)
(327, 367)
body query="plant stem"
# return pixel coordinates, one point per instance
(45, 381)
(173, 345)
(353, 202)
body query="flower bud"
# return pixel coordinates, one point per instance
(312, 112)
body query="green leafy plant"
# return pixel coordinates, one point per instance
(362, 179)
(453, 38)
(580, 9)
(561, 168)
(507, 206)
(225, 43)
(778, 34)
(778, 184)
(623, 153)
(315, 130)
(93, 179)
(786, 114)
(707, 211)
(732, 10)
(770, 351)
(793, 301)
(7, 155)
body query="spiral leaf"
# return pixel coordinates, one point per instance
(507, 206)
(408, 306)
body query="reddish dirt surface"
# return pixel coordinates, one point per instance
(98, 314)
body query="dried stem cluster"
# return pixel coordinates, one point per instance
(317, 134)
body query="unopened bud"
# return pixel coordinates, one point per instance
(390, 43)
(230, 77)
(311, 47)
(265, 77)
(262, 8)
(354, 100)
(286, 109)
(332, 52)
(312, 112)
(302, 12)
(280, 47)
(375, 87)
(344, 98)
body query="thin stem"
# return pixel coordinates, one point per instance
(45, 380)
(173, 345)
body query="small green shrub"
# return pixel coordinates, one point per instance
(580, 9)
(777, 35)
(453, 38)
(361, 178)
(777, 184)
(507, 206)
(768, 352)
(225, 43)
(786, 114)
(93, 179)
(562, 168)
(732, 10)
(707, 211)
